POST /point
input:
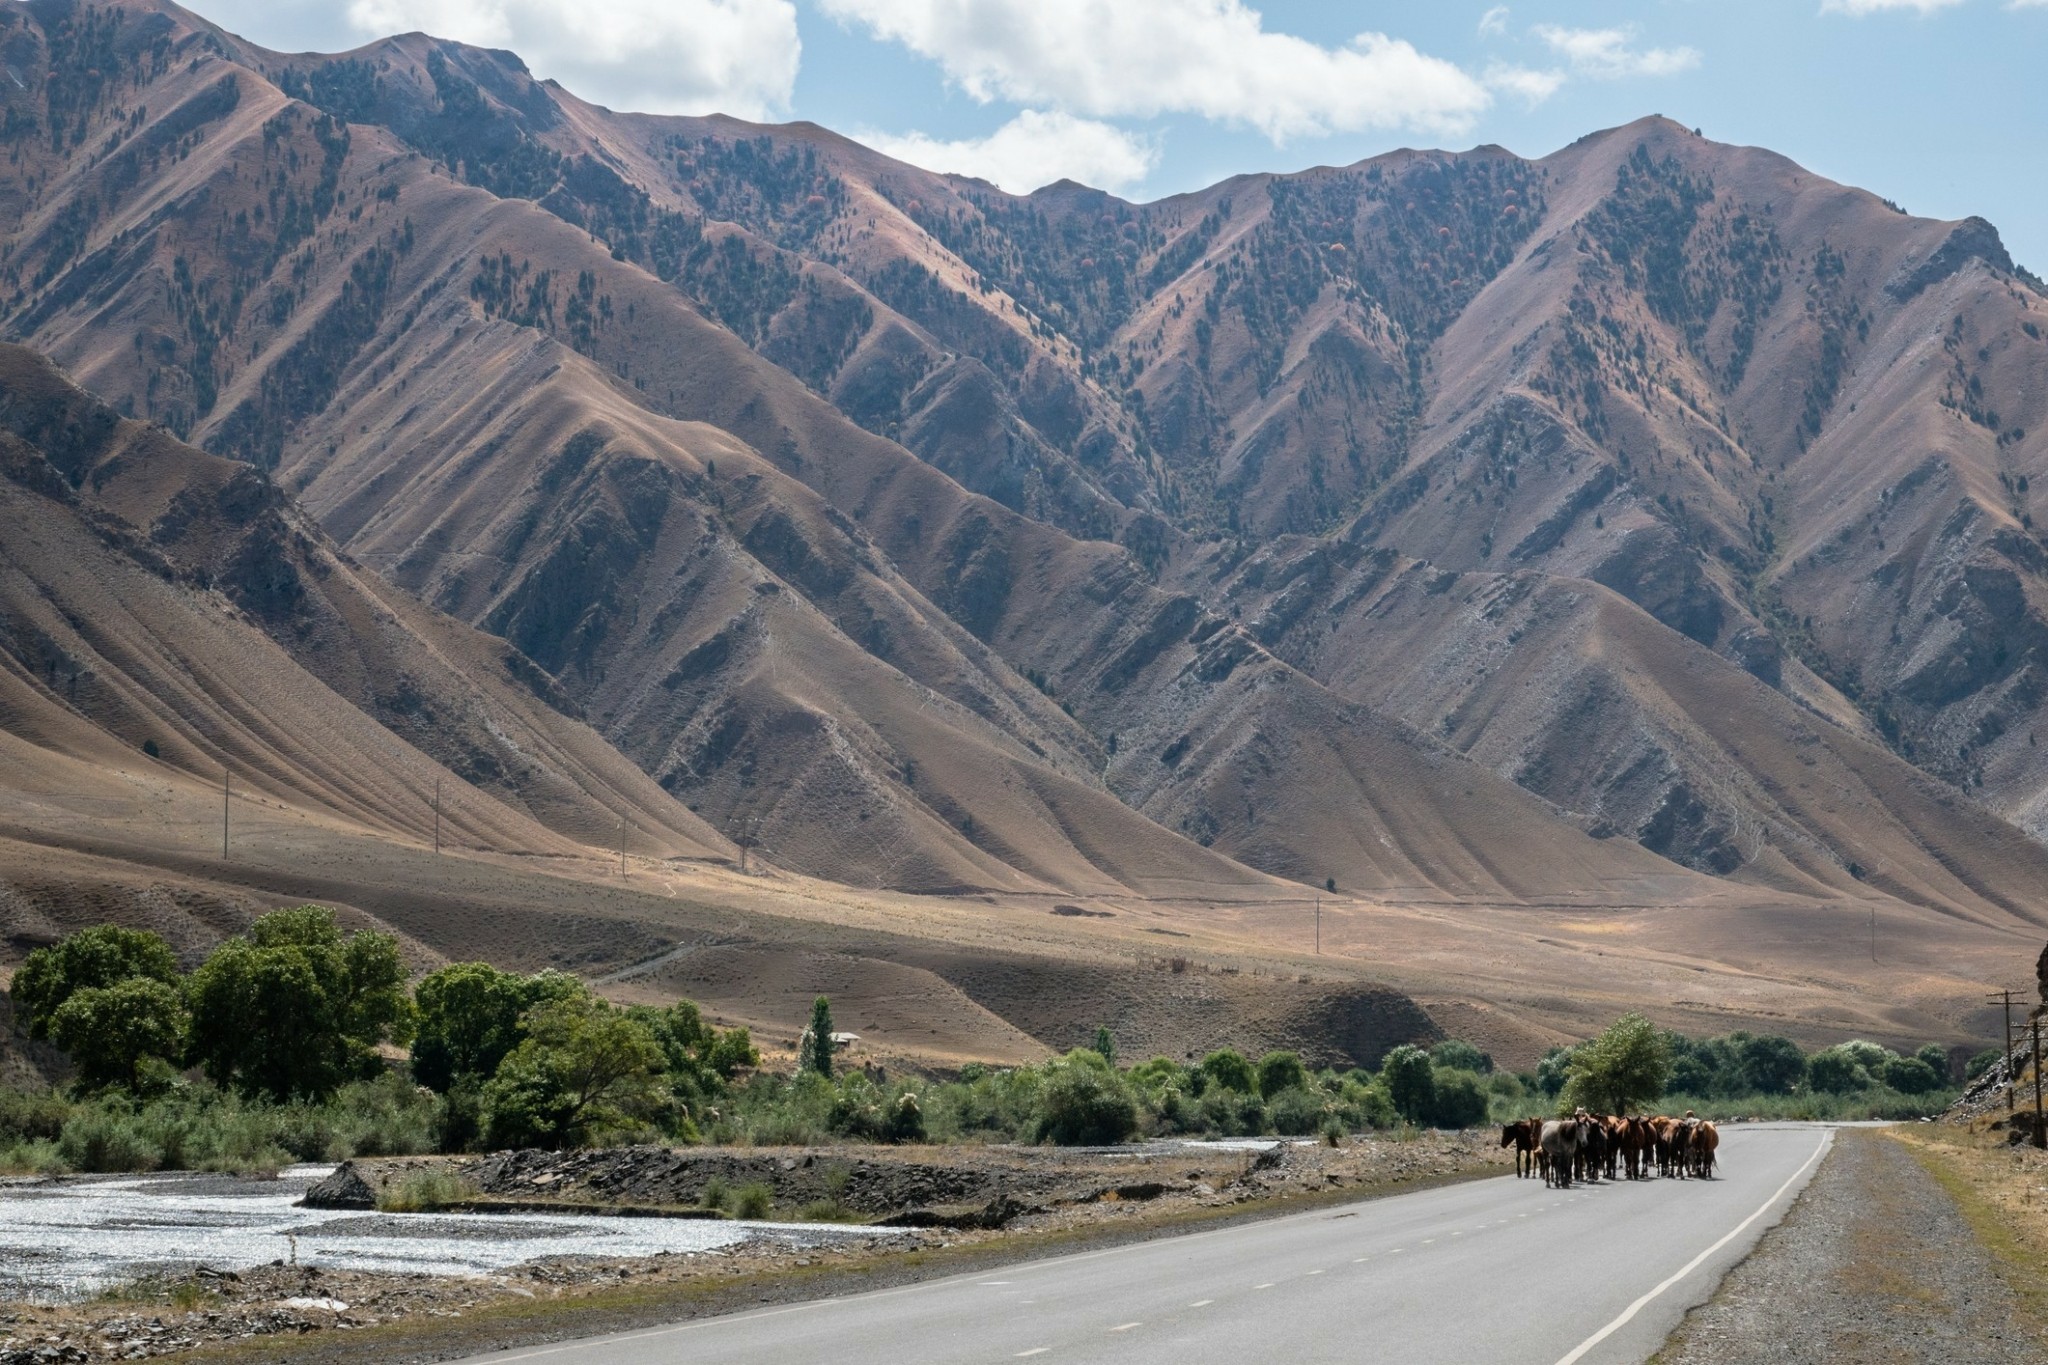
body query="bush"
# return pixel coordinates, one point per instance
(99, 1140)
(423, 1190)
(1835, 1072)
(1228, 1068)
(1982, 1063)
(1085, 1102)
(755, 1200)
(1410, 1082)
(1910, 1076)
(1454, 1054)
(583, 1068)
(1298, 1113)
(1280, 1071)
(1460, 1099)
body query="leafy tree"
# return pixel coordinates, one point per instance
(115, 1034)
(1691, 1074)
(1911, 1076)
(293, 1008)
(1084, 1102)
(1410, 1082)
(1280, 1071)
(469, 1015)
(1835, 1072)
(1105, 1043)
(1936, 1057)
(1552, 1069)
(1459, 1055)
(1772, 1065)
(1228, 1068)
(90, 959)
(817, 1053)
(1460, 1099)
(700, 1058)
(1982, 1063)
(1624, 1068)
(582, 1067)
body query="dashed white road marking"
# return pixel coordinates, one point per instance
(1127, 1327)
(1315, 1272)
(1034, 1351)
(1201, 1303)
(1267, 1285)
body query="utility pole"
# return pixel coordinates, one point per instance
(227, 782)
(2012, 1101)
(437, 815)
(2040, 1133)
(1873, 933)
(1319, 926)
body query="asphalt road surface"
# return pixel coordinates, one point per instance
(1499, 1271)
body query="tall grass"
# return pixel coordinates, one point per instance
(198, 1127)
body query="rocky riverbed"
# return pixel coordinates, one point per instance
(592, 1225)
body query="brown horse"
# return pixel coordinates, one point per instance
(1706, 1140)
(1523, 1133)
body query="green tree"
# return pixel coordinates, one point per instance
(1459, 1055)
(1280, 1071)
(1410, 1082)
(90, 959)
(1552, 1068)
(1460, 1099)
(581, 1068)
(1772, 1065)
(817, 1050)
(1983, 1062)
(1084, 1102)
(700, 1057)
(1911, 1076)
(1228, 1068)
(116, 1034)
(1936, 1057)
(1105, 1043)
(293, 1007)
(469, 1015)
(1624, 1068)
(1835, 1072)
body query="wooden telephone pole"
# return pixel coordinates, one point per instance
(2040, 1133)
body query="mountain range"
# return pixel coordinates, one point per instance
(1639, 535)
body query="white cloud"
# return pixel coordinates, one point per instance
(1857, 9)
(1494, 23)
(1607, 54)
(1031, 150)
(1212, 58)
(659, 56)
(1533, 86)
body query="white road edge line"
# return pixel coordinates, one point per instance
(1694, 1264)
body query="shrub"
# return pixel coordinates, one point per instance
(1910, 1076)
(1982, 1063)
(424, 1189)
(1835, 1072)
(1228, 1068)
(717, 1195)
(1298, 1113)
(1085, 1102)
(99, 1140)
(755, 1200)
(1411, 1082)
(469, 1015)
(1454, 1054)
(1461, 1100)
(1280, 1071)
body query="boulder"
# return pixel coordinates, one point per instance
(345, 1189)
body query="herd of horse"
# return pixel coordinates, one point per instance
(1612, 1147)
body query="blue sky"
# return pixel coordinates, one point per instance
(1938, 104)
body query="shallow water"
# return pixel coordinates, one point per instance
(64, 1239)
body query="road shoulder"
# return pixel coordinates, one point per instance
(1874, 1262)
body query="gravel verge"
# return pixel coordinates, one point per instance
(1873, 1263)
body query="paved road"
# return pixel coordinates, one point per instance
(1499, 1271)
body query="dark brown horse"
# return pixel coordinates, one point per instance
(1524, 1134)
